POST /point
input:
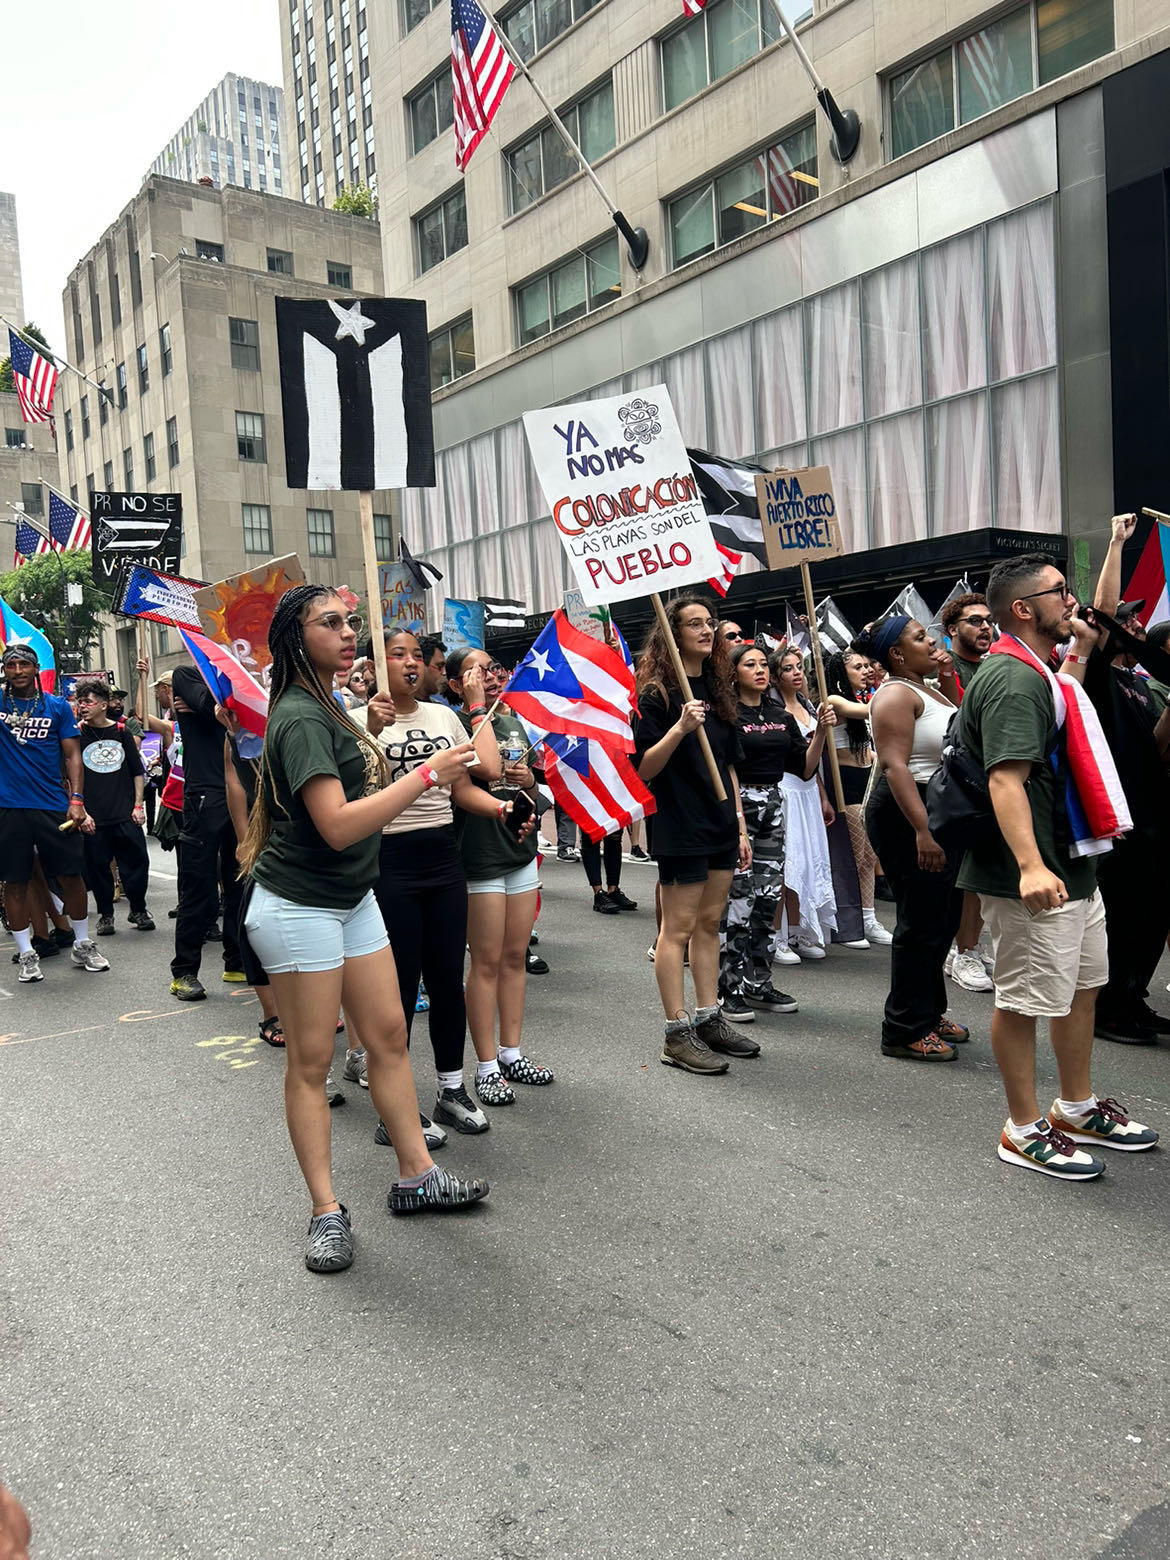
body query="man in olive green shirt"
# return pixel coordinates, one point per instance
(1040, 903)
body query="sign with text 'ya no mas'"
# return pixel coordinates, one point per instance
(623, 496)
(798, 516)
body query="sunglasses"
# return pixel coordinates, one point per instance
(335, 621)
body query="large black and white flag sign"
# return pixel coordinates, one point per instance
(355, 384)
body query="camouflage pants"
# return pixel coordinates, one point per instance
(755, 894)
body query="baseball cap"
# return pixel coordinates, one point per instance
(1127, 609)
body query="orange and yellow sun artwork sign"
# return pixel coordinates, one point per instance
(237, 612)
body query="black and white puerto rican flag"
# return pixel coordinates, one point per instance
(355, 385)
(501, 612)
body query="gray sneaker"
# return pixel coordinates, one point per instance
(455, 1109)
(85, 956)
(30, 966)
(355, 1068)
(433, 1136)
(685, 1049)
(333, 1095)
(329, 1248)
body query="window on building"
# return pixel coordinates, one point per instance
(586, 282)
(108, 475)
(535, 23)
(727, 33)
(85, 417)
(280, 262)
(103, 405)
(431, 110)
(442, 230)
(73, 491)
(206, 250)
(128, 468)
(416, 11)
(250, 436)
(68, 430)
(32, 496)
(89, 488)
(753, 193)
(164, 349)
(14, 438)
(120, 379)
(339, 275)
(321, 541)
(258, 529)
(452, 353)
(542, 161)
(979, 73)
(148, 456)
(115, 299)
(244, 336)
(172, 442)
(136, 272)
(383, 538)
(143, 370)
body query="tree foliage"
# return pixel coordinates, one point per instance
(37, 591)
(358, 200)
(7, 383)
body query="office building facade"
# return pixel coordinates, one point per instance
(325, 48)
(11, 288)
(28, 460)
(233, 137)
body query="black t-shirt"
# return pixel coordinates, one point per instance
(202, 734)
(111, 760)
(688, 820)
(1128, 714)
(772, 742)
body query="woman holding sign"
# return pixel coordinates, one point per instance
(698, 842)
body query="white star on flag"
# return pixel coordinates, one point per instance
(571, 743)
(539, 659)
(351, 322)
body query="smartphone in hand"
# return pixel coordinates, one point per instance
(523, 808)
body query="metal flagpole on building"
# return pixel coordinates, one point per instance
(637, 239)
(39, 346)
(846, 125)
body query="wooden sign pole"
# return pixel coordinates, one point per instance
(373, 589)
(141, 637)
(685, 689)
(823, 692)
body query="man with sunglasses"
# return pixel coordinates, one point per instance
(1040, 903)
(967, 624)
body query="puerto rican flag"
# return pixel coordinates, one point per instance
(575, 685)
(15, 630)
(1148, 582)
(233, 687)
(596, 784)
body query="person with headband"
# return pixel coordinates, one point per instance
(39, 740)
(312, 850)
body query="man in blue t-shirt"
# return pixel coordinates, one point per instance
(39, 740)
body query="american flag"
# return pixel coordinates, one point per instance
(29, 542)
(35, 377)
(68, 527)
(787, 192)
(481, 69)
(693, 7)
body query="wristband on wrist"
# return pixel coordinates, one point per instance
(1078, 660)
(502, 811)
(475, 709)
(76, 796)
(428, 776)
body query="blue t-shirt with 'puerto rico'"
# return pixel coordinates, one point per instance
(31, 733)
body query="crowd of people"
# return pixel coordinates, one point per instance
(379, 857)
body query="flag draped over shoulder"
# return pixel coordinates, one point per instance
(575, 685)
(35, 379)
(481, 70)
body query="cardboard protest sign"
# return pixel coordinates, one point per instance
(403, 604)
(237, 611)
(159, 598)
(69, 681)
(145, 528)
(463, 627)
(590, 620)
(798, 515)
(356, 392)
(623, 496)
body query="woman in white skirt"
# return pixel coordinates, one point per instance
(809, 905)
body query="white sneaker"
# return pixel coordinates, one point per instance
(986, 958)
(876, 932)
(30, 966)
(783, 954)
(967, 971)
(84, 955)
(805, 948)
(949, 961)
(858, 942)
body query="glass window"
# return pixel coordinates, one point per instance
(740, 200)
(692, 225)
(532, 310)
(586, 282)
(534, 24)
(148, 456)
(543, 161)
(172, 442)
(733, 34)
(164, 349)
(14, 438)
(120, 378)
(994, 65)
(603, 273)
(416, 11)
(143, 370)
(108, 475)
(765, 187)
(1070, 33)
(280, 262)
(558, 161)
(597, 133)
(524, 173)
(258, 529)
(245, 342)
(432, 109)
(339, 275)
(32, 496)
(85, 424)
(452, 353)
(321, 541)
(726, 34)
(103, 405)
(383, 538)
(205, 250)
(128, 469)
(442, 231)
(922, 104)
(250, 436)
(568, 292)
(684, 64)
(68, 430)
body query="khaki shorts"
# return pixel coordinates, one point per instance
(1042, 960)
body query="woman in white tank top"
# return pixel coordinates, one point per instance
(910, 722)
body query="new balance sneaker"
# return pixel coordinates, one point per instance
(735, 1010)
(437, 1192)
(807, 948)
(454, 1108)
(875, 931)
(603, 904)
(1048, 1150)
(188, 988)
(142, 919)
(105, 926)
(494, 1090)
(684, 1049)
(30, 967)
(329, 1248)
(355, 1068)
(622, 901)
(333, 1094)
(522, 1070)
(769, 1000)
(1107, 1124)
(966, 970)
(716, 1034)
(85, 956)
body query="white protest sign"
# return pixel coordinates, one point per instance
(622, 494)
(582, 617)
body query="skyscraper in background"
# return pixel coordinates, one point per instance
(330, 128)
(233, 137)
(11, 292)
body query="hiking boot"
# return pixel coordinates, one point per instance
(85, 956)
(768, 999)
(716, 1033)
(1107, 1124)
(188, 988)
(30, 967)
(1051, 1152)
(437, 1192)
(454, 1108)
(329, 1248)
(684, 1049)
(142, 919)
(952, 1032)
(929, 1049)
(105, 926)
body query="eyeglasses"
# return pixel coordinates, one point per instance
(496, 668)
(1061, 590)
(334, 622)
(976, 622)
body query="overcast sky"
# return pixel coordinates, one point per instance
(92, 92)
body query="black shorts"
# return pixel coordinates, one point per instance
(854, 784)
(696, 869)
(24, 828)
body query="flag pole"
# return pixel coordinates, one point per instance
(637, 239)
(1156, 514)
(40, 347)
(846, 125)
(73, 503)
(684, 687)
(818, 663)
(373, 589)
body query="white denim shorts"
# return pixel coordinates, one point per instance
(1042, 961)
(524, 880)
(290, 939)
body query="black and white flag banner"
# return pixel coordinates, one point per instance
(355, 387)
(503, 612)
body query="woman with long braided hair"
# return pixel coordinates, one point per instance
(312, 850)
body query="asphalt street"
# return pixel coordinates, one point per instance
(800, 1310)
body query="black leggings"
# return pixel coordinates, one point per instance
(591, 853)
(422, 894)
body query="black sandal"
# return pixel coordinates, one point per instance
(272, 1033)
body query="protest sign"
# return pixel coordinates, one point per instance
(403, 604)
(590, 620)
(144, 528)
(69, 681)
(159, 598)
(237, 612)
(798, 516)
(463, 627)
(623, 496)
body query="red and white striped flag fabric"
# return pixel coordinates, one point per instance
(787, 191)
(233, 687)
(596, 784)
(481, 69)
(730, 562)
(574, 684)
(35, 379)
(693, 7)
